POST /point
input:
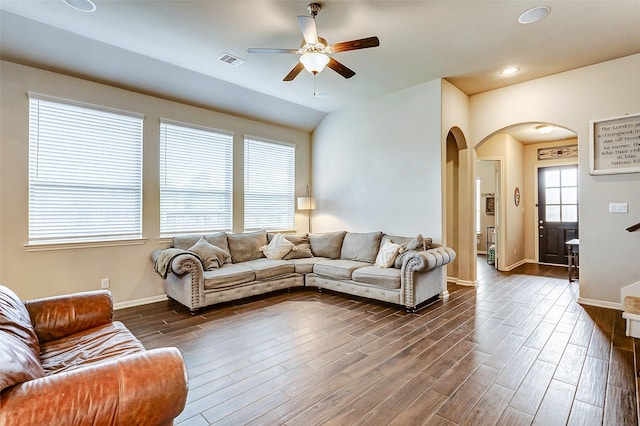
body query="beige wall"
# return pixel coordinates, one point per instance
(608, 253)
(458, 169)
(510, 230)
(37, 274)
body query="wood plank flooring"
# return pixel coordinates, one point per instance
(516, 350)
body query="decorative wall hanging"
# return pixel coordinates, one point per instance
(614, 145)
(516, 196)
(567, 151)
(490, 206)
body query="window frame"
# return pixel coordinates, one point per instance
(289, 197)
(227, 193)
(42, 190)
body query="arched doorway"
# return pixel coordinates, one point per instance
(458, 225)
(523, 151)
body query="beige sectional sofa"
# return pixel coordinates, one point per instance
(203, 270)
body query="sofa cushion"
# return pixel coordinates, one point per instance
(305, 265)
(302, 246)
(361, 246)
(277, 248)
(228, 275)
(268, 268)
(19, 346)
(327, 244)
(385, 278)
(387, 254)
(97, 344)
(339, 269)
(212, 256)
(246, 246)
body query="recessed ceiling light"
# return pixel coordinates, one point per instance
(81, 5)
(534, 15)
(545, 129)
(509, 71)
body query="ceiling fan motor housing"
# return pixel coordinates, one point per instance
(313, 9)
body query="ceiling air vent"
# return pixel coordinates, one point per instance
(230, 59)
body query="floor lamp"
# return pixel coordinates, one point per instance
(307, 204)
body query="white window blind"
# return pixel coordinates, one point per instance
(195, 179)
(269, 176)
(85, 173)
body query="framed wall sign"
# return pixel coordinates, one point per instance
(614, 145)
(490, 205)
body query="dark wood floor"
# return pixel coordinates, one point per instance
(516, 350)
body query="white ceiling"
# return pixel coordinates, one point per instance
(171, 48)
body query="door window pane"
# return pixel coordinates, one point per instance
(570, 213)
(553, 214)
(570, 177)
(570, 195)
(552, 178)
(553, 195)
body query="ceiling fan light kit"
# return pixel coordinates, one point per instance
(314, 62)
(315, 51)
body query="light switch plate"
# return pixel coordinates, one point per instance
(617, 207)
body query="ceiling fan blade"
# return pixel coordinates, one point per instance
(340, 69)
(294, 72)
(269, 50)
(362, 43)
(308, 28)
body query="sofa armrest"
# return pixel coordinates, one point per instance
(60, 316)
(418, 284)
(148, 388)
(185, 263)
(426, 260)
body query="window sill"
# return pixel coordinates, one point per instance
(83, 244)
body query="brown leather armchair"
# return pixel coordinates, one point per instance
(63, 361)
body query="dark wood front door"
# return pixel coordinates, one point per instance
(557, 212)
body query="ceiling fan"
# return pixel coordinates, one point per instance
(315, 50)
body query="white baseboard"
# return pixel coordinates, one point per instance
(138, 302)
(600, 303)
(515, 265)
(458, 281)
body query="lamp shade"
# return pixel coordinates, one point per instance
(314, 62)
(306, 203)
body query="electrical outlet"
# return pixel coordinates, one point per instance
(104, 283)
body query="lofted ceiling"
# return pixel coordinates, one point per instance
(171, 48)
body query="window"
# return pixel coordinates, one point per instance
(195, 179)
(85, 173)
(269, 175)
(561, 194)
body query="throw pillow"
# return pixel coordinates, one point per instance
(302, 249)
(277, 248)
(212, 257)
(246, 246)
(387, 254)
(412, 246)
(362, 247)
(328, 244)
